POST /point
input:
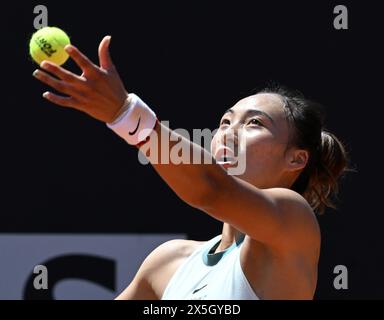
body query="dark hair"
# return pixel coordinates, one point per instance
(328, 159)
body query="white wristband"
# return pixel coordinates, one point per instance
(136, 123)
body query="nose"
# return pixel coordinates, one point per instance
(230, 137)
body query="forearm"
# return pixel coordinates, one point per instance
(207, 186)
(192, 182)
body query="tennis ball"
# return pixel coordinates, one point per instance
(48, 44)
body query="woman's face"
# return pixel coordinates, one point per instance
(261, 121)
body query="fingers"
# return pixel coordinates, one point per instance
(61, 101)
(60, 72)
(104, 55)
(56, 84)
(81, 60)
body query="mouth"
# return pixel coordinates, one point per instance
(225, 157)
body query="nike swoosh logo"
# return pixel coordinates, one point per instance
(131, 133)
(198, 289)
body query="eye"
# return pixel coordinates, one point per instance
(225, 122)
(255, 122)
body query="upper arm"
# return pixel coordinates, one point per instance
(140, 288)
(265, 215)
(155, 271)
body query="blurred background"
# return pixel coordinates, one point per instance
(67, 198)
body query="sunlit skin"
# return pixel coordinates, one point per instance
(280, 252)
(262, 121)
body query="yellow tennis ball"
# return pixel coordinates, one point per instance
(48, 44)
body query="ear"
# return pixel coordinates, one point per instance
(297, 159)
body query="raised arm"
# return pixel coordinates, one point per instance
(264, 215)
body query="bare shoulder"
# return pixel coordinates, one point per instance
(162, 263)
(158, 268)
(169, 251)
(292, 206)
(291, 259)
(298, 220)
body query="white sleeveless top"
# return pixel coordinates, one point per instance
(205, 276)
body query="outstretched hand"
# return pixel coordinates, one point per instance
(98, 92)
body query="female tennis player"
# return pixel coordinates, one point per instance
(270, 242)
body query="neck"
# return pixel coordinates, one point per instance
(229, 235)
(285, 179)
